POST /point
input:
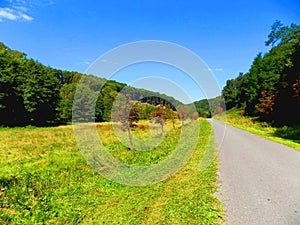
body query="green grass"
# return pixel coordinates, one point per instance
(289, 136)
(44, 179)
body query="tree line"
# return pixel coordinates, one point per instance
(270, 90)
(209, 107)
(128, 112)
(34, 94)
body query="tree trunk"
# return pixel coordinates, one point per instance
(162, 128)
(130, 139)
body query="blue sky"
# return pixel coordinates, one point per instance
(70, 34)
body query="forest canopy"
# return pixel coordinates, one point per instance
(270, 90)
(34, 94)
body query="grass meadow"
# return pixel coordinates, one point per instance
(44, 179)
(287, 135)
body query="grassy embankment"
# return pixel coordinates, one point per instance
(44, 179)
(287, 135)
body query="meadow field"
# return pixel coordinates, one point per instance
(44, 179)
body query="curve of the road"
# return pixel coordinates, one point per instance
(260, 179)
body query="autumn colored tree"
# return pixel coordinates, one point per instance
(266, 105)
(296, 88)
(183, 113)
(127, 113)
(160, 116)
(194, 115)
(173, 116)
(218, 110)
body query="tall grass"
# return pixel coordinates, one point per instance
(287, 135)
(44, 179)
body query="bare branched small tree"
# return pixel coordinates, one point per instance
(183, 113)
(160, 116)
(127, 114)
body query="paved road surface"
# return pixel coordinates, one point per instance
(260, 179)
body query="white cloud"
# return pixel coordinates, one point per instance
(84, 61)
(47, 2)
(16, 10)
(19, 10)
(26, 17)
(6, 13)
(13, 14)
(218, 69)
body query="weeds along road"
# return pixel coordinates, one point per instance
(260, 179)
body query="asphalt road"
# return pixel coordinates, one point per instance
(260, 179)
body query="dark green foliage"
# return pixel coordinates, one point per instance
(99, 110)
(202, 108)
(269, 90)
(33, 94)
(145, 110)
(157, 98)
(282, 33)
(84, 104)
(29, 91)
(109, 93)
(231, 92)
(287, 104)
(67, 92)
(207, 108)
(291, 133)
(40, 94)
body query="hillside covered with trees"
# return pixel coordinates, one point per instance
(209, 107)
(34, 94)
(270, 90)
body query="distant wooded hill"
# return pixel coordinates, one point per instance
(208, 107)
(34, 94)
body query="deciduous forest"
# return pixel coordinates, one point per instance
(270, 90)
(34, 94)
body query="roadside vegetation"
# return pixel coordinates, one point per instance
(287, 135)
(270, 90)
(44, 179)
(266, 99)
